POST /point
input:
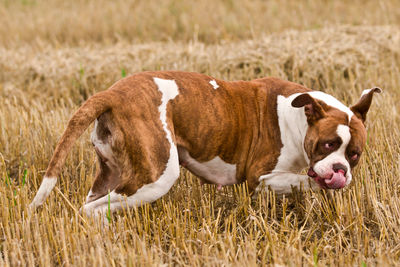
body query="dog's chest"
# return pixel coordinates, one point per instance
(214, 171)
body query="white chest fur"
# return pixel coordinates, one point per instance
(215, 171)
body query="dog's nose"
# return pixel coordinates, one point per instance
(339, 166)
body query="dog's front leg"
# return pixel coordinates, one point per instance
(282, 182)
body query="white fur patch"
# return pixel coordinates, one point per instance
(324, 167)
(366, 91)
(214, 84)
(331, 101)
(89, 195)
(282, 183)
(45, 188)
(103, 148)
(293, 158)
(375, 89)
(149, 192)
(293, 129)
(216, 170)
(153, 191)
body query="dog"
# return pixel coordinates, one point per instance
(263, 131)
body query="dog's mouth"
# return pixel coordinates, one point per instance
(336, 180)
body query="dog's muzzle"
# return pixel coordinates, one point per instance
(336, 180)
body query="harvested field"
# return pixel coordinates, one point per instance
(49, 67)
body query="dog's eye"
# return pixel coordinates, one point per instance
(329, 145)
(354, 157)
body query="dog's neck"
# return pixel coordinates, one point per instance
(293, 129)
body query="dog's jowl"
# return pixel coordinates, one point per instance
(263, 131)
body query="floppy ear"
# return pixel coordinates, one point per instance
(361, 108)
(312, 108)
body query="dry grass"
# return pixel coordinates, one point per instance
(81, 22)
(43, 82)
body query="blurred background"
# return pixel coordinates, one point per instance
(80, 22)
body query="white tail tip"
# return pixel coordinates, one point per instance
(45, 188)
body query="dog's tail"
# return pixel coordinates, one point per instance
(80, 121)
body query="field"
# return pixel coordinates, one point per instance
(55, 54)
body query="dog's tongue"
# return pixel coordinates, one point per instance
(337, 181)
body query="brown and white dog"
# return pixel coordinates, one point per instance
(263, 131)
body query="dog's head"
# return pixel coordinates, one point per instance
(335, 137)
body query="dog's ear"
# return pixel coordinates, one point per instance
(361, 108)
(312, 108)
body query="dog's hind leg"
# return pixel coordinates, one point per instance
(149, 159)
(145, 194)
(148, 183)
(108, 176)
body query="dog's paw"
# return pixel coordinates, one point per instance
(32, 208)
(314, 185)
(85, 211)
(34, 205)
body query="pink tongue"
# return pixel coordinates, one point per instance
(337, 181)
